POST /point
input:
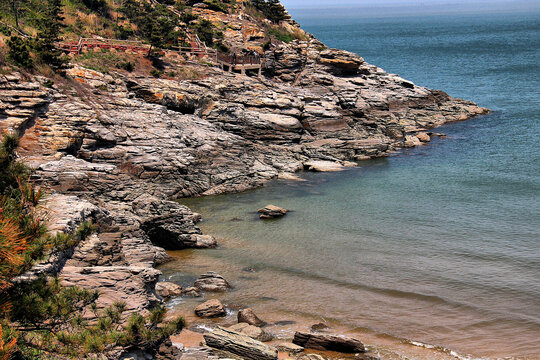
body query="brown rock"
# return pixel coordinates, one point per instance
(248, 316)
(167, 289)
(253, 332)
(423, 137)
(211, 281)
(272, 211)
(210, 309)
(328, 342)
(289, 348)
(191, 291)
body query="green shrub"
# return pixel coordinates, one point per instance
(19, 52)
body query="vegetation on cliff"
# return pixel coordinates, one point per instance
(38, 316)
(29, 29)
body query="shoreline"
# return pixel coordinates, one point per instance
(381, 344)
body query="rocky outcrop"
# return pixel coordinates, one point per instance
(248, 316)
(272, 211)
(239, 344)
(122, 147)
(211, 281)
(210, 309)
(328, 342)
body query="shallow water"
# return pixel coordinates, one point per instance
(439, 244)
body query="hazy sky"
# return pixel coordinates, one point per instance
(332, 3)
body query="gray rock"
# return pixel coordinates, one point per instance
(239, 344)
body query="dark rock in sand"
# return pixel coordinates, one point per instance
(239, 344)
(248, 316)
(212, 281)
(210, 309)
(328, 342)
(272, 211)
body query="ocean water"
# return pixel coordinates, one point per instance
(432, 253)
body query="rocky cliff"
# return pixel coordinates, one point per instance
(119, 147)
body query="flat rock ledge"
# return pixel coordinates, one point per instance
(328, 342)
(239, 344)
(272, 211)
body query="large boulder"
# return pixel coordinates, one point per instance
(328, 342)
(272, 211)
(253, 332)
(212, 281)
(239, 344)
(210, 309)
(248, 316)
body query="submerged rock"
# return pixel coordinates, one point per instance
(248, 316)
(212, 281)
(272, 211)
(210, 309)
(328, 342)
(191, 291)
(239, 344)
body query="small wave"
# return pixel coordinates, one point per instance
(204, 327)
(442, 349)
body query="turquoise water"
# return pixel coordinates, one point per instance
(439, 244)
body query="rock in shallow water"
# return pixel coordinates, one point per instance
(212, 281)
(248, 316)
(167, 289)
(210, 309)
(328, 342)
(272, 211)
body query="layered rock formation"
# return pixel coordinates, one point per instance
(123, 146)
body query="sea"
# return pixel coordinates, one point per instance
(432, 253)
